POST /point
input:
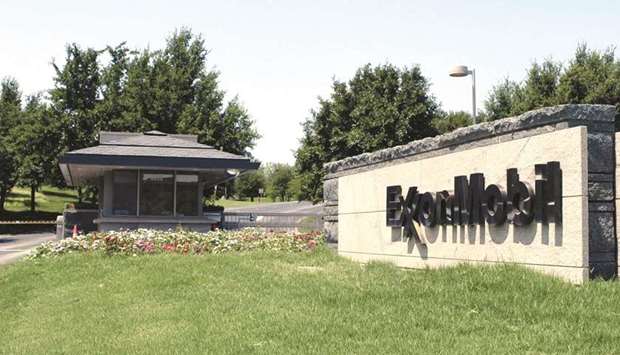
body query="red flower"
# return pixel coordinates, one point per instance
(169, 247)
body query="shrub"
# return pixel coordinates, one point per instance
(148, 241)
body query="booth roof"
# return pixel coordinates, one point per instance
(150, 150)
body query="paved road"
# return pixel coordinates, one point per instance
(13, 247)
(280, 207)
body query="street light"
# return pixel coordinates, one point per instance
(460, 71)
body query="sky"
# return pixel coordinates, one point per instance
(280, 56)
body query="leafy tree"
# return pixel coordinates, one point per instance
(235, 132)
(10, 115)
(203, 117)
(169, 90)
(36, 145)
(249, 184)
(178, 68)
(539, 88)
(75, 95)
(590, 77)
(503, 99)
(196, 102)
(10, 94)
(379, 107)
(75, 98)
(509, 98)
(294, 187)
(172, 91)
(279, 179)
(138, 96)
(452, 120)
(10, 104)
(113, 105)
(8, 170)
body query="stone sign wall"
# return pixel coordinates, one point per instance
(507, 157)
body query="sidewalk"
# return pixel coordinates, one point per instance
(16, 246)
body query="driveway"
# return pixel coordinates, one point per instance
(280, 207)
(15, 246)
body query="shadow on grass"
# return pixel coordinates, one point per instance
(59, 194)
(15, 195)
(26, 229)
(27, 216)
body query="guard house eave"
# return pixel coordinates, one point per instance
(120, 150)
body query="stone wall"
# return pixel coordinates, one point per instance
(598, 156)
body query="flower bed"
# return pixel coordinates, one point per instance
(147, 241)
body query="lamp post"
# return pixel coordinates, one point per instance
(460, 71)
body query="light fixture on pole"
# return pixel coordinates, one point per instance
(460, 71)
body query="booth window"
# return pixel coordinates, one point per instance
(157, 193)
(187, 194)
(125, 189)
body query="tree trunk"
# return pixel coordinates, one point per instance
(2, 200)
(32, 198)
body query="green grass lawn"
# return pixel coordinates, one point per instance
(295, 303)
(49, 200)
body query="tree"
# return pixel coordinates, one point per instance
(10, 94)
(181, 64)
(590, 77)
(36, 145)
(452, 120)
(539, 89)
(237, 132)
(113, 80)
(75, 95)
(169, 90)
(279, 180)
(379, 107)
(203, 117)
(10, 115)
(75, 98)
(294, 187)
(138, 96)
(503, 99)
(540, 86)
(172, 90)
(10, 104)
(8, 170)
(250, 184)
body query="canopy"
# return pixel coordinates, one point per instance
(151, 150)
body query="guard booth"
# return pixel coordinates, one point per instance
(152, 180)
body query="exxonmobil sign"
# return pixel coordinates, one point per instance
(472, 202)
